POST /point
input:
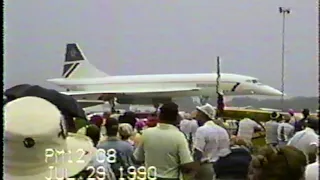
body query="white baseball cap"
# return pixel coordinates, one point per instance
(34, 133)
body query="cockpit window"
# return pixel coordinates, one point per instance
(254, 81)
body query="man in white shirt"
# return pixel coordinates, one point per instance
(285, 132)
(246, 129)
(307, 140)
(211, 142)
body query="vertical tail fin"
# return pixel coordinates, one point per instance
(77, 66)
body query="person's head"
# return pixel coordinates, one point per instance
(152, 122)
(194, 114)
(169, 113)
(34, 130)
(305, 113)
(92, 131)
(241, 142)
(291, 112)
(106, 115)
(286, 119)
(278, 163)
(313, 123)
(274, 116)
(112, 126)
(128, 117)
(205, 113)
(96, 120)
(187, 116)
(125, 131)
(140, 125)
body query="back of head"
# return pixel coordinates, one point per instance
(125, 131)
(241, 142)
(92, 131)
(112, 126)
(169, 113)
(305, 112)
(152, 121)
(106, 115)
(128, 117)
(96, 120)
(313, 123)
(291, 112)
(278, 163)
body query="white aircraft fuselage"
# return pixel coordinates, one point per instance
(84, 81)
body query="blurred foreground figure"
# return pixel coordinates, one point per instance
(67, 105)
(307, 140)
(34, 130)
(285, 163)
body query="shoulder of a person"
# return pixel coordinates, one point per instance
(202, 128)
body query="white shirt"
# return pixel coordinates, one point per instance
(288, 131)
(213, 141)
(189, 126)
(312, 171)
(246, 128)
(302, 140)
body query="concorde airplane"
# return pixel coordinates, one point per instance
(85, 82)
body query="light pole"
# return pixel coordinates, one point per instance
(284, 12)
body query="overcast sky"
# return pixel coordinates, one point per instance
(125, 37)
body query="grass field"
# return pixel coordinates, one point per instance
(258, 142)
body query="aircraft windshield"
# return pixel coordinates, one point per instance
(254, 81)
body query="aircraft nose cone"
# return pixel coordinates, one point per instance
(273, 92)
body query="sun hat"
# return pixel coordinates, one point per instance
(274, 115)
(208, 110)
(33, 147)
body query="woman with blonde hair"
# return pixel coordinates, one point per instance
(273, 163)
(126, 132)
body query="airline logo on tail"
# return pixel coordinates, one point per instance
(72, 57)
